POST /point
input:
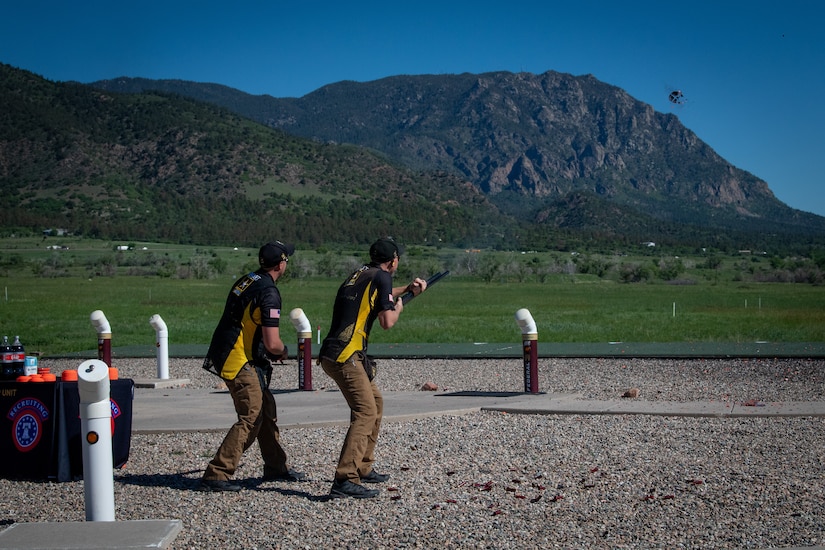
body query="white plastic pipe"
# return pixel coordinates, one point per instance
(96, 434)
(300, 322)
(162, 342)
(525, 322)
(100, 322)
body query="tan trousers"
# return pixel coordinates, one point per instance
(257, 419)
(366, 409)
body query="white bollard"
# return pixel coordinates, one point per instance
(96, 433)
(530, 336)
(162, 344)
(304, 330)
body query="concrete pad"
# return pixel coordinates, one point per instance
(664, 408)
(91, 535)
(183, 409)
(780, 408)
(661, 408)
(160, 383)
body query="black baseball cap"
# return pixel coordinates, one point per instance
(271, 254)
(384, 250)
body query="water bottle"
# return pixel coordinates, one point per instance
(8, 372)
(18, 358)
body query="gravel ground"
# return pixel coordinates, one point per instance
(493, 480)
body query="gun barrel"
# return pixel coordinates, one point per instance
(407, 296)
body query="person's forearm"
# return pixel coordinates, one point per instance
(399, 290)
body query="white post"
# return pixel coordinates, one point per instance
(162, 344)
(96, 433)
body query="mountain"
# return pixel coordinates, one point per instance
(536, 145)
(431, 159)
(158, 166)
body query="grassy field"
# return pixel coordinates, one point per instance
(50, 286)
(52, 315)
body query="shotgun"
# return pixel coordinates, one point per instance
(407, 296)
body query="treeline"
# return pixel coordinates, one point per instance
(243, 222)
(487, 266)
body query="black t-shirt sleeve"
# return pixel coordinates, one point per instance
(383, 285)
(271, 308)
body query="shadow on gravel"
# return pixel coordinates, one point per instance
(485, 394)
(290, 492)
(181, 480)
(185, 482)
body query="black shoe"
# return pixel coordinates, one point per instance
(218, 485)
(289, 475)
(375, 477)
(347, 488)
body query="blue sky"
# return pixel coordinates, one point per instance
(752, 72)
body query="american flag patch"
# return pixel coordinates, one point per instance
(274, 313)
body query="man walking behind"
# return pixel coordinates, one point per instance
(246, 339)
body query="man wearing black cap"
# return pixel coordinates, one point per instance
(246, 339)
(365, 296)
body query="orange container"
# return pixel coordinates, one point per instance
(113, 373)
(36, 378)
(49, 377)
(69, 375)
(24, 378)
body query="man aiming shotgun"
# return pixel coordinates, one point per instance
(365, 296)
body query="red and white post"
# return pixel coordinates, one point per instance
(530, 346)
(104, 336)
(304, 330)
